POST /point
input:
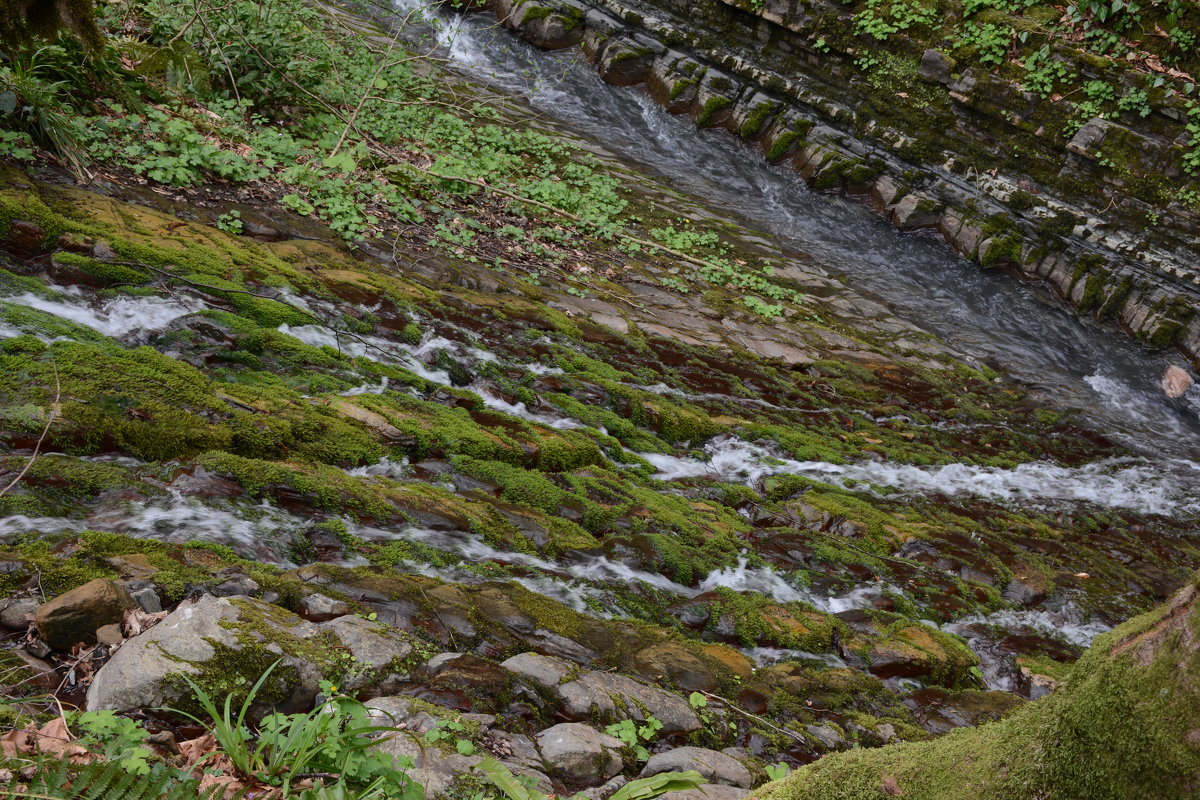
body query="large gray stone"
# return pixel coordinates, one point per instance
(580, 754)
(714, 766)
(197, 639)
(709, 791)
(584, 693)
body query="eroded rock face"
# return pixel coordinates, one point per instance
(583, 693)
(74, 616)
(217, 640)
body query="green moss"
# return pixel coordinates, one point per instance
(1119, 729)
(756, 119)
(102, 272)
(712, 106)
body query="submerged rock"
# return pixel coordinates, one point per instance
(1176, 381)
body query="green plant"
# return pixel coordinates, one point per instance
(777, 772)
(446, 729)
(1044, 73)
(1191, 158)
(118, 739)
(632, 735)
(335, 738)
(14, 144)
(990, 41)
(33, 99)
(1135, 101)
(230, 222)
(101, 780)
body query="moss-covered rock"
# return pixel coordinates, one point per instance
(1123, 726)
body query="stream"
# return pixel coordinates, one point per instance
(1072, 362)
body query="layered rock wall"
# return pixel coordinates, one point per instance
(966, 153)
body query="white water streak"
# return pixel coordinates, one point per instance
(1116, 483)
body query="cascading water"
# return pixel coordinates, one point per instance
(1073, 362)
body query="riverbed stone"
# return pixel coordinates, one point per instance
(584, 694)
(716, 767)
(74, 616)
(580, 754)
(1176, 381)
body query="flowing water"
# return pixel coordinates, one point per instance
(1073, 362)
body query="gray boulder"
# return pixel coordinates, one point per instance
(709, 791)
(220, 640)
(584, 693)
(580, 754)
(715, 767)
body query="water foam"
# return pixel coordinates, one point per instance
(1116, 483)
(118, 317)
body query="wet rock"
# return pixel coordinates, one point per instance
(675, 664)
(1027, 587)
(939, 711)
(75, 616)
(714, 766)
(24, 238)
(1034, 684)
(586, 694)
(200, 639)
(1176, 381)
(579, 754)
(134, 565)
(238, 585)
(465, 670)
(914, 212)
(17, 612)
(317, 607)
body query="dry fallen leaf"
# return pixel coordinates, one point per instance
(891, 786)
(136, 621)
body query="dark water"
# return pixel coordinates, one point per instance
(1075, 363)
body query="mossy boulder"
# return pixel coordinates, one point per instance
(223, 645)
(1123, 726)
